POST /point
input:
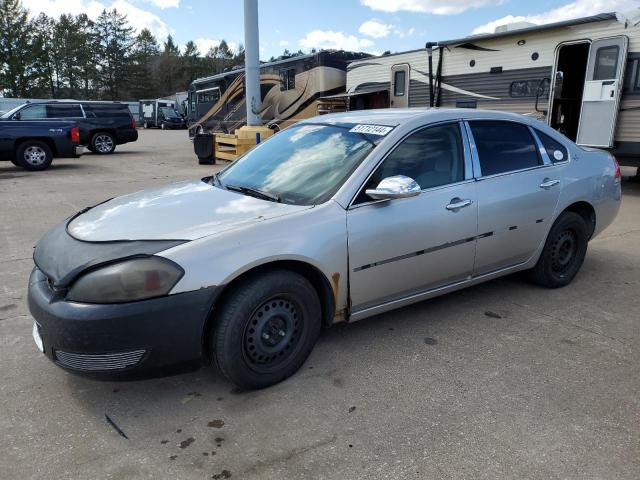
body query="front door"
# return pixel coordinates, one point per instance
(518, 191)
(399, 94)
(406, 246)
(602, 91)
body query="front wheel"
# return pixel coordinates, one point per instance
(563, 252)
(266, 329)
(34, 155)
(103, 143)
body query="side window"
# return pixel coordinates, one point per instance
(64, 110)
(399, 80)
(504, 146)
(33, 112)
(433, 156)
(287, 79)
(606, 63)
(556, 151)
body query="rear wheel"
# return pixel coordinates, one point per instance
(563, 253)
(103, 143)
(34, 155)
(266, 329)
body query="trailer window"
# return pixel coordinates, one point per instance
(530, 88)
(287, 79)
(399, 80)
(606, 63)
(632, 76)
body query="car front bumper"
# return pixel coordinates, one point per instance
(156, 336)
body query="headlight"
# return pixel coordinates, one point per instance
(127, 281)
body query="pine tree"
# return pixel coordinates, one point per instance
(144, 63)
(17, 72)
(115, 42)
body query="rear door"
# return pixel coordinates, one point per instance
(399, 94)
(518, 189)
(602, 90)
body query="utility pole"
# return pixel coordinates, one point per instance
(252, 62)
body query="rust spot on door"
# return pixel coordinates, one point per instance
(335, 284)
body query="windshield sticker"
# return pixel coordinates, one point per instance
(372, 129)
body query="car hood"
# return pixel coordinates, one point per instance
(179, 211)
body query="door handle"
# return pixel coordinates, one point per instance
(457, 204)
(547, 184)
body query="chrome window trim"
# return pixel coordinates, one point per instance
(476, 157)
(392, 149)
(541, 150)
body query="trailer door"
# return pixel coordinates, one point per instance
(602, 90)
(400, 86)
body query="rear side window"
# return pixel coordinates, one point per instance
(504, 146)
(108, 111)
(62, 110)
(555, 150)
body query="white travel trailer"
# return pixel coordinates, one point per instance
(580, 76)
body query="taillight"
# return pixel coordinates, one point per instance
(133, 123)
(617, 175)
(75, 134)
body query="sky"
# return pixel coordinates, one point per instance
(372, 26)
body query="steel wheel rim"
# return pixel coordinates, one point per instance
(35, 155)
(564, 251)
(272, 333)
(103, 143)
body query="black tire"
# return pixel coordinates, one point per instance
(207, 160)
(266, 329)
(34, 155)
(563, 252)
(103, 143)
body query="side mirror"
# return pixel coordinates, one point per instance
(397, 186)
(16, 116)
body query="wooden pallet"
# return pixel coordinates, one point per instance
(229, 146)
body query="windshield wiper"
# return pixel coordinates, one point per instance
(254, 192)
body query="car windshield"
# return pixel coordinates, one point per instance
(12, 111)
(302, 165)
(169, 113)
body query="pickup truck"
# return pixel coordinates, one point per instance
(32, 145)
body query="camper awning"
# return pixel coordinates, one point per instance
(354, 94)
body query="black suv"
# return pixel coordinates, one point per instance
(103, 125)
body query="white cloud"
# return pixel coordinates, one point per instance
(204, 44)
(330, 40)
(373, 28)
(402, 33)
(437, 7)
(162, 4)
(283, 43)
(577, 9)
(137, 17)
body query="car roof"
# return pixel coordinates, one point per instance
(398, 116)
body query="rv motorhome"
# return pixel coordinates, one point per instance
(290, 89)
(580, 76)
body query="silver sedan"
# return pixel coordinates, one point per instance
(334, 219)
